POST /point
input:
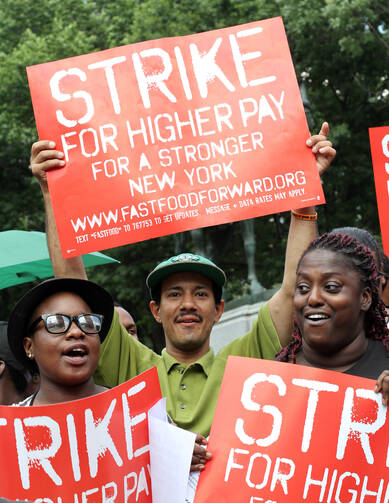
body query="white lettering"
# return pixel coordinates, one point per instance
(98, 439)
(107, 65)
(39, 456)
(62, 97)
(353, 429)
(156, 79)
(315, 387)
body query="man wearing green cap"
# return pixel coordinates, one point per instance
(186, 298)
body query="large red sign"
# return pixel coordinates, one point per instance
(95, 449)
(379, 144)
(288, 433)
(174, 134)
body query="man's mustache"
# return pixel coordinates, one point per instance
(184, 314)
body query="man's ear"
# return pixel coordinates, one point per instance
(219, 310)
(366, 299)
(154, 308)
(2, 367)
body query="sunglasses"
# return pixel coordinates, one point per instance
(58, 323)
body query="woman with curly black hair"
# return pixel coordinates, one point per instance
(339, 315)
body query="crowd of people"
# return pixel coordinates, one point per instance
(331, 312)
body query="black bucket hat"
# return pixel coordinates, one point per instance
(98, 299)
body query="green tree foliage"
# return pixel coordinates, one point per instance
(340, 51)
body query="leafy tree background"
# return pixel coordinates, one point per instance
(340, 51)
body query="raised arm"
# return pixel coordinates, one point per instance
(44, 157)
(302, 230)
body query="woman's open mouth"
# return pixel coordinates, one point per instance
(76, 355)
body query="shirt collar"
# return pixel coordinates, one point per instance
(205, 361)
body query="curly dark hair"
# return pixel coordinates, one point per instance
(361, 260)
(386, 270)
(364, 237)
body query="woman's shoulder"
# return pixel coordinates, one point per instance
(373, 362)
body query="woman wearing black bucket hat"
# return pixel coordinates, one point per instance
(57, 327)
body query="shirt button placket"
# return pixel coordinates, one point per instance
(182, 387)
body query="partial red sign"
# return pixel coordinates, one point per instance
(174, 134)
(95, 449)
(284, 433)
(379, 144)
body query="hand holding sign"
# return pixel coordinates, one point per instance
(43, 158)
(200, 454)
(382, 386)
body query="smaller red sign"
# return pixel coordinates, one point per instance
(286, 433)
(379, 144)
(95, 449)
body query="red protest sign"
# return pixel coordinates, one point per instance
(285, 432)
(379, 144)
(174, 134)
(95, 449)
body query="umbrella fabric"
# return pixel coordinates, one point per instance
(24, 257)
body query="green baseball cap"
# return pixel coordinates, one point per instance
(185, 262)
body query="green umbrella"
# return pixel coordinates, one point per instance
(24, 257)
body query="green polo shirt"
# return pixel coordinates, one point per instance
(191, 391)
